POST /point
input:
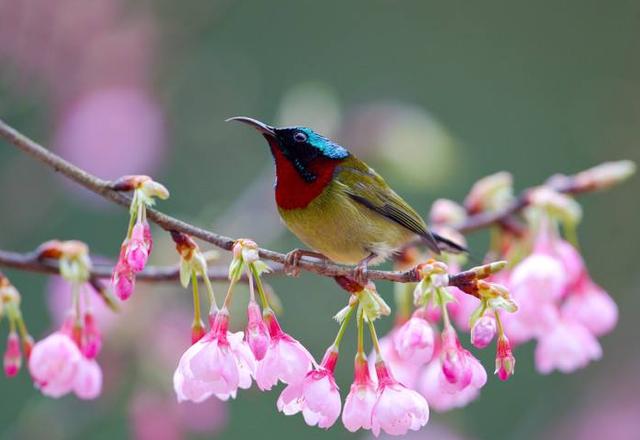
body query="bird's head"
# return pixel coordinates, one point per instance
(300, 145)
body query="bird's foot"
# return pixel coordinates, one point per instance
(361, 271)
(292, 260)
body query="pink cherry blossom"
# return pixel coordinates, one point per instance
(434, 387)
(589, 305)
(567, 347)
(414, 340)
(12, 356)
(92, 339)
(456, 367)
(405, 371)
(54, 363)
(362, 396)
(398, 409)
(137, 251)
(257, 333)
(218, 364)
(571, 260)
(483, 331)
(88, 379)
(316, 396)
(286, 359)
(123, 281)
(505, 361)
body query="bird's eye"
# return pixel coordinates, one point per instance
(300, 137)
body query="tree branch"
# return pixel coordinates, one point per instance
(105, 189)
(30, 262)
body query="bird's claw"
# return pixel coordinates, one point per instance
(361, 274)
(291, 262)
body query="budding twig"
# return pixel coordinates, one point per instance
(110, 191)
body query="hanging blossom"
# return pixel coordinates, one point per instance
(65, 361)
(138, 243)
(563, 309)
(316, 396)
(19, 340)
(383, 403)
(444, 372)
(358, 406)
(220, 362)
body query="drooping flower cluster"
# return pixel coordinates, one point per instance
(560, 306)
(220, 362)
(65, 361)
(138, 243)
(448, 375)
(18, 340)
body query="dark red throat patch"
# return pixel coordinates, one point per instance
(292, 191)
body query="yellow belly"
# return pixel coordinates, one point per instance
(343, 230)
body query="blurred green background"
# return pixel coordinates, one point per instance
(433, 94)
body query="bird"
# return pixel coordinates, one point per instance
(337, 205)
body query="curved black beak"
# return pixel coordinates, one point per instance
(260, 126)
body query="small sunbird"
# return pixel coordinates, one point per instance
(336, 204)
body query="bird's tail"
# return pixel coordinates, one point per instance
(444, 244)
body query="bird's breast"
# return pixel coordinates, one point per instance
(292, 190)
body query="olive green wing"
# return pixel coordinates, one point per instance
(368, 188)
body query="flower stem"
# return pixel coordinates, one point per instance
(213, 304)
(374, 339)
(360, 325)
(75, 293)
(499, 324)
(443, 307)
(196, 298)
(229, 296)
(261, 292)
(133, 215)
(343, 326)
(252, 290)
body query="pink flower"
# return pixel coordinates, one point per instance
(456, 368)
(12, 355)
(88, 379)
(567, 347)
(92, 339)
(505, 361)
(483, 331)
(537, 283)
(589, 305)
(316, 396)
(435, 388)
(257, 334)
(138, 250)
(414, 340)
(123, 280)
(405, 371)
(218, 364)
(571, 260)
(54, 363)
(358, 406)
(286, 359)
(397, 409)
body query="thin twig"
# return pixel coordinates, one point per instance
(30, 262)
